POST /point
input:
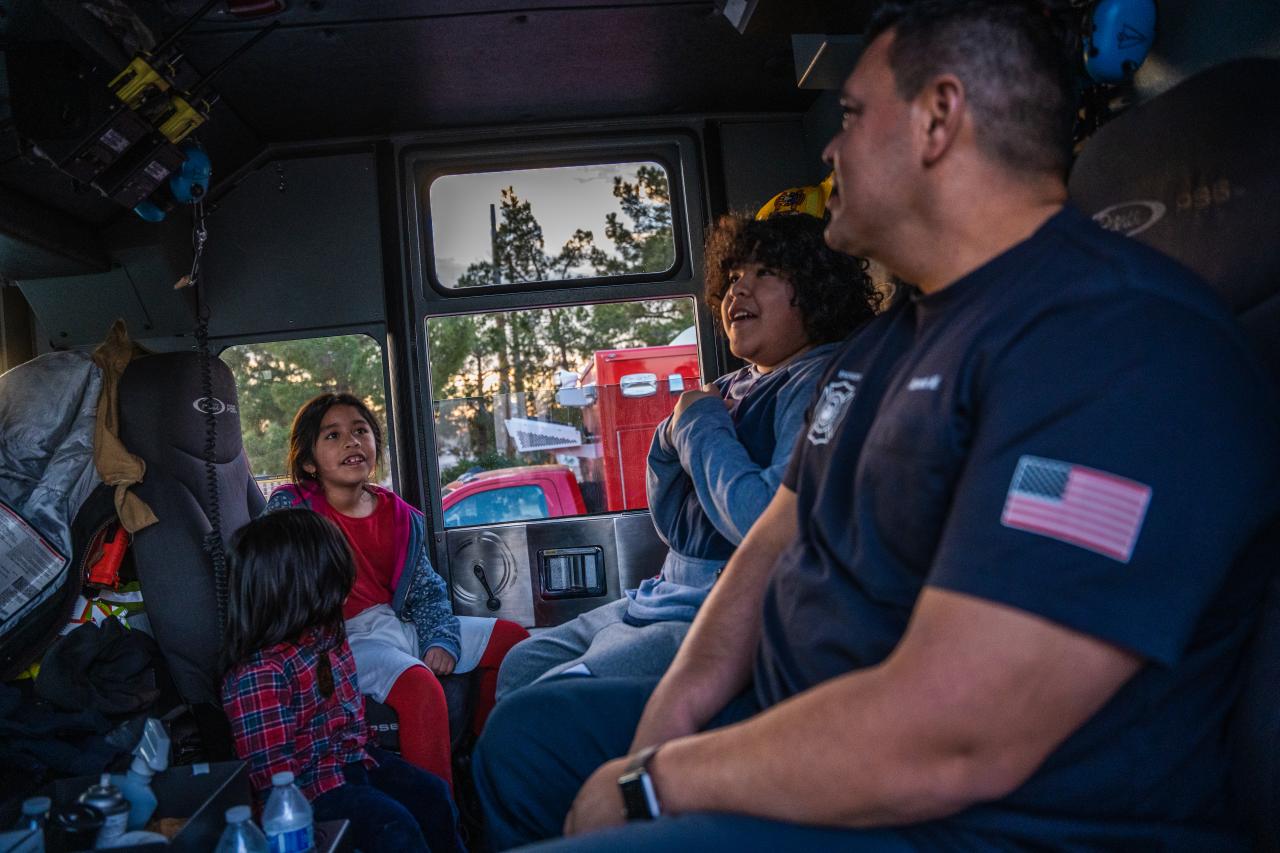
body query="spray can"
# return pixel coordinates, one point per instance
(107, 799)
(74, 826)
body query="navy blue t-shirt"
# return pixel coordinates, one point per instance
(1077, 430)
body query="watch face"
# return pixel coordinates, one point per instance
(639, 800)
(633, 797)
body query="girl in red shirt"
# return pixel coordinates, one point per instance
(399, 619)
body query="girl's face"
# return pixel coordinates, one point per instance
(764, 328)
(345, 452)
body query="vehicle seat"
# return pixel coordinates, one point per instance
(161, 422)
(1193, 172)
(458, 694)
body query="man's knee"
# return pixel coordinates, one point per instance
(511, 727)
(542, 743)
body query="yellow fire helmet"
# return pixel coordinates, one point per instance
(811, 200)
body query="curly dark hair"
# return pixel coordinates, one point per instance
(832, 290)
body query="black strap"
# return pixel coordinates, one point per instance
(213, 540)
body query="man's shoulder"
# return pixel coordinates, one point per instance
(1090, 284)
(1104, 265)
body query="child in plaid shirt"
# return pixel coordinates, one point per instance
(291, 695)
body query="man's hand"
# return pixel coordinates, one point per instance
(439, 661)
(688, 398)
(599, 802)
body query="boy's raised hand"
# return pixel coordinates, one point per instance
(439, 661)
(688, 398)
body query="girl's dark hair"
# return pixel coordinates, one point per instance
(306, 431)
(832, 290)
(287, 571)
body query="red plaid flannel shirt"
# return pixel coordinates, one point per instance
(281, 722)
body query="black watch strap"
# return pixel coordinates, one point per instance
(639, 797)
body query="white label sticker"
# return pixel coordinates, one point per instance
(199, 769)
(157, 171)
(115, 140)
(28, 563)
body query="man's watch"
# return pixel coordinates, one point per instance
(639, 798)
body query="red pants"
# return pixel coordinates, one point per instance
(418, 700)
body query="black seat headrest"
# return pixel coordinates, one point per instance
(1193, 172)
(162, 419)
(162, 398)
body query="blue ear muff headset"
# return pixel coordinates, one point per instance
(1117, 38)
(187, 185)
(191, 182)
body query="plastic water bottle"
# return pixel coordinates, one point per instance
(287, 817)
(150, 756)
(35, 813)
(241, 836)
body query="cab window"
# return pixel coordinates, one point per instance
(565, 397)
(505, 228)
(274, 379)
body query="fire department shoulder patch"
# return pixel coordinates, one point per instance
(834, 402)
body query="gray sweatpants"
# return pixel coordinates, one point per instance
(596, 643)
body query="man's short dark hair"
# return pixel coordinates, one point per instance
(1013, 65)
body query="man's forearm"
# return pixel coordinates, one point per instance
(972, 701)
(714, 662)
(790, 763)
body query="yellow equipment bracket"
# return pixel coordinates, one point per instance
(131, 84)
(182, 119)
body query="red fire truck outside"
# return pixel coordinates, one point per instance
(623, 395)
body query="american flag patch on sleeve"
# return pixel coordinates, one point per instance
(1081, 506)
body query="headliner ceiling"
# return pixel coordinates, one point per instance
(343, 68)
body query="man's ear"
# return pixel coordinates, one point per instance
(942, 105)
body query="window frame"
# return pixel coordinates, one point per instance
(675, 152)
(433, 452)
(376, 332)
(428, 176)
(677, 149)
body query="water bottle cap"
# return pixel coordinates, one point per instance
(284, 777)
(238, 814)
(36, 805)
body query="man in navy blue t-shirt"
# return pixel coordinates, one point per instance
(1001, 598)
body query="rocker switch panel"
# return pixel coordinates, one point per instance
(572, 572)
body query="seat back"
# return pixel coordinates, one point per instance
(162, 421)
(1193, 172)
